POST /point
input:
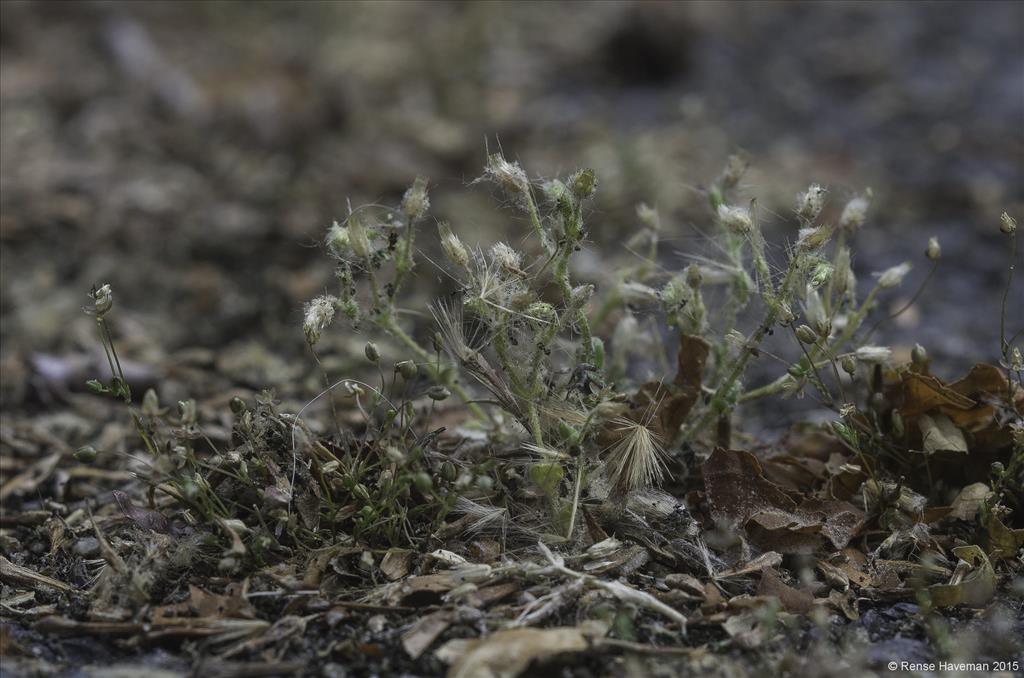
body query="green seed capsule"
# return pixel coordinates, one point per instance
(438, 393)
(361, 492)
(407, 369)
(448, 471)
(423, 482)
(238, 406)
(86, 454)
(806, 334)
(371, 352)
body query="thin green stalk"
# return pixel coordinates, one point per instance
(783, 382)
(747, 352)
(388, 323)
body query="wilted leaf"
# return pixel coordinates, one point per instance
(923, 393)
(233, 604)
(395, 563)
(793, 600)
(423, 590)
(508, 653)
(424, 631)
(739, 494)
(769, 559)
(940, 434)
(672, 402)
(967, 503)
(143, 518)
(973, 583)
(744, 630)
(1002, 541)
(737, 489)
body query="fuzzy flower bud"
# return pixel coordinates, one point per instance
(416, 202)
(102, 300)
(892, 277)
(849, 365)
(358, 237)
(319, 314)
(811, 239)
(338, 241)
(736, 219)
(810, 203)
(581, 295)
(934, 250)
(843, 278)
(814, 309)
(541, 311)
(735, 168)
(1007, 224)
(507, 258)
(854, 214)
(452, 246)
(648, 216)
(821, 273)
(918, 355)
(694, 276)
(583, 183)
(508, 175)
(873, 355)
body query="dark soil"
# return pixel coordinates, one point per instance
(192, 154)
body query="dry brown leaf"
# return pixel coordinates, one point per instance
(924, 393)
(509, 653)
(672, 402)
(737, 489)
(395, 563)
(940, 434)
(967, 503)
(143, 518)
(769, 559)
(740, 495)
(424, 631)
(793, 600)
(424, 589)
(973, 583)
(1003, 542)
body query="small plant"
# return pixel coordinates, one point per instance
(564, 424)
(521, 327)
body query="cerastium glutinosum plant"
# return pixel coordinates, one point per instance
(520, 326)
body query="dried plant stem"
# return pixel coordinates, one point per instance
(575, 497)
(621, 591)
(1004, 346)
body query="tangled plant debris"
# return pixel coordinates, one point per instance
(509, 492)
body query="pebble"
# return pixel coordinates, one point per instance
(86, 547)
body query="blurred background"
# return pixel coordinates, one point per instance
(193, 154)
